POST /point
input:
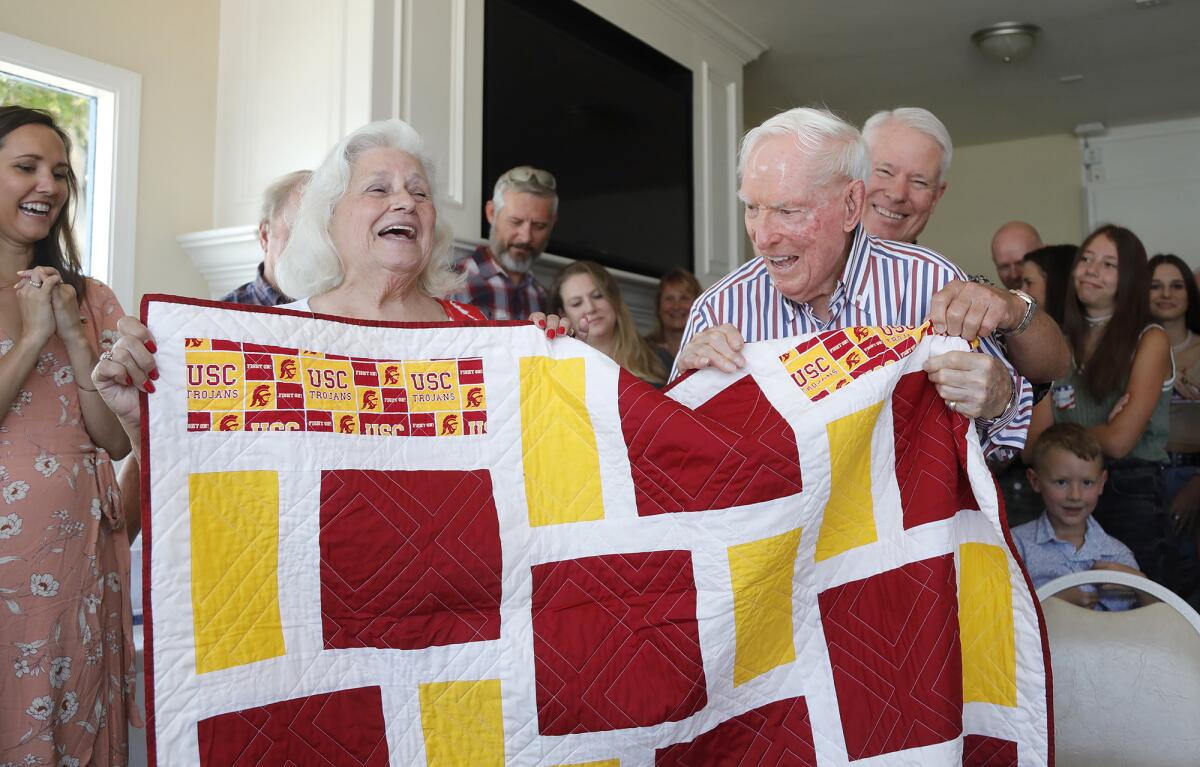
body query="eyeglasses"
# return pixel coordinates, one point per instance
(524, 173)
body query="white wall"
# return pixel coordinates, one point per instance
(421, 60)
(173, 46)
(294, 77)
(1038, 180)
(1147, 178)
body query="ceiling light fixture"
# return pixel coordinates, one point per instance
(1006, 41)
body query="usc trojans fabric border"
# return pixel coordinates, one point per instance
(466, 545)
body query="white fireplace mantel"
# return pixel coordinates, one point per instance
(229, 257)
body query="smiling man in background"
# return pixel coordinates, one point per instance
(802, 183)
(522, 213)
(910, 154)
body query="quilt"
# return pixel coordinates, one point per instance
(464, 544)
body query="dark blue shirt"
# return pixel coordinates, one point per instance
(259, 293)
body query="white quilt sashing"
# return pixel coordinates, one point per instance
(463, 544)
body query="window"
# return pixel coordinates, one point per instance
(75, 113)
(97, 105)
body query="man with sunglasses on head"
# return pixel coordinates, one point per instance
(522, 212)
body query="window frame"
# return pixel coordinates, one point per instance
(115, 182)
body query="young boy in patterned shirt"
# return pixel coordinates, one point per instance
(1068, 472)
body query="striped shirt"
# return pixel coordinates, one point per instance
(883, 283)
(489, 288)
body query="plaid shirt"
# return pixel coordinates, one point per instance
(259, 293)
(489, 288)
(883, 283)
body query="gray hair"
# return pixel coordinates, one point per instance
(278, 191)
(310, 265)
(920, 120)
(528, 186)
(836, 145)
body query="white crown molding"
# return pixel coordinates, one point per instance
(710, 23)
(229, 257)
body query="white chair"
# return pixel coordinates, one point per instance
(1126, 684)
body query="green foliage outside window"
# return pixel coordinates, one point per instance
(73, 113)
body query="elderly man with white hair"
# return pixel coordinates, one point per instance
(817, 268)
(910, 153)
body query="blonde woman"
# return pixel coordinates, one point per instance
(590, 298)
(677, 291)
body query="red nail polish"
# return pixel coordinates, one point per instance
(128, 381)
(541, 323)
(154, 374)
(151, 347)
(148, 387)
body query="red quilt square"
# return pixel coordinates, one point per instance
(409, 559)
(983, 751)
(615, 642)
(775, 735)
(897, 666)
(683, 460)
(337, 728)
(931, 453)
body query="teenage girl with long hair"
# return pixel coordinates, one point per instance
(1119, 389)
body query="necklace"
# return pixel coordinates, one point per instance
(1176, 348)
(1097, 321)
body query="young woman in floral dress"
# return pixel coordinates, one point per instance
(66, 671)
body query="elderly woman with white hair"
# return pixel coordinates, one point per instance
(366, 244)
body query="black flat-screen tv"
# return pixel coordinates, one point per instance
(609, 116)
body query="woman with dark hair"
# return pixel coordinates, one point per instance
(1045, 275)
(677, 291)
(1119, 388)
(66, 689)
(1175, 303)
(586, 291)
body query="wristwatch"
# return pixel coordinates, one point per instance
(1030, 309)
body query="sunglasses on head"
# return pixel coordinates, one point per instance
(524, 173)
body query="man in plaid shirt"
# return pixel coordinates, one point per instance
(522, 212)
(274, 227)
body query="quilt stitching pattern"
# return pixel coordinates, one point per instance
(409, 559)
(604, 575)
(930, 466)
(708, 464)
(340, 729)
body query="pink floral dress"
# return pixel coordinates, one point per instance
(66, 671)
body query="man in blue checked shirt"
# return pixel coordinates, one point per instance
(802, 182)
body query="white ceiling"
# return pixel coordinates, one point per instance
(858, 56)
